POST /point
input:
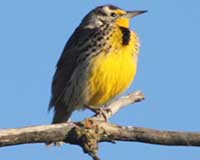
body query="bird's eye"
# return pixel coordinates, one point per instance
(113, 14)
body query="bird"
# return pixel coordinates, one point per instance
(98, 62)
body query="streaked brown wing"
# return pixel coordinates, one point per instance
(67, 64)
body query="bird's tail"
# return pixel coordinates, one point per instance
(61, 115)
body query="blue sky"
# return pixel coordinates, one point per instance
(32, 36)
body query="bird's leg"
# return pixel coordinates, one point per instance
(100, 111)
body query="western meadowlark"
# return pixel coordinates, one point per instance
(98, 62)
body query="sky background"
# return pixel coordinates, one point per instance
(32, 36)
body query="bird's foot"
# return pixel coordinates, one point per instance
(103, 111)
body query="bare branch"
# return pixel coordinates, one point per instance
(120, 103)
(109, 132)
(35, 134)
(152, 136)
(89, 132)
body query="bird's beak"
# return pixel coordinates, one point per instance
(131, 14)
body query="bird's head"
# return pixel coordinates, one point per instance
(109, 14)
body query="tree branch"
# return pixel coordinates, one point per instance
(120, 103)
(89, 132)
(59, 132)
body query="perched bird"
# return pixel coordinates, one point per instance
(98, 62)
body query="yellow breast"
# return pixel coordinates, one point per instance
(113, 70)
